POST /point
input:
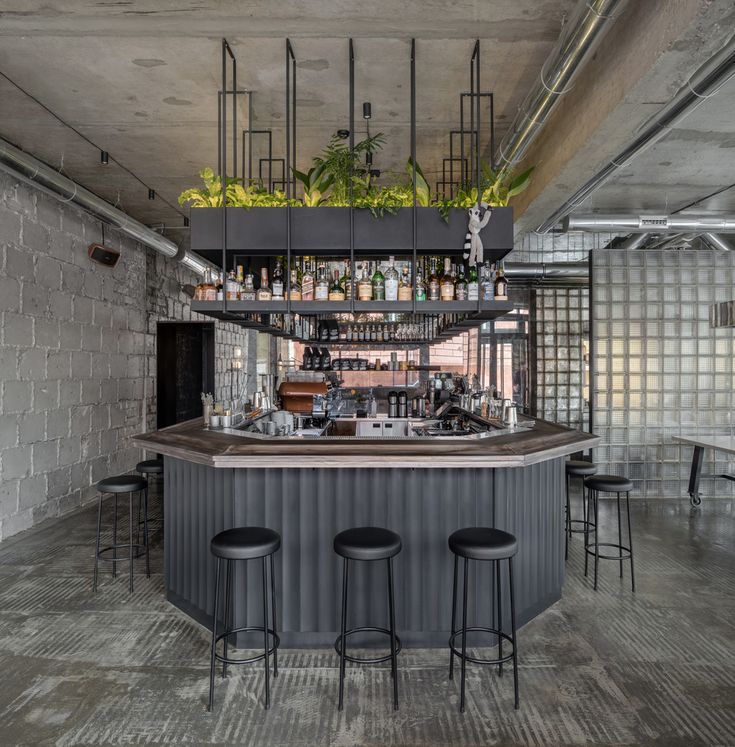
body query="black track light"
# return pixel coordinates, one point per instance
(186, 222)
(367, 110)
(151, 194)
(343, 134)
(104, 157)
(368, 159)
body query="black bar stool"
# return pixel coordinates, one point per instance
(483, 543)
(121, 484)
(367, 543)
(577, 468)
(609, 484)
(244, 543)
(148, 467)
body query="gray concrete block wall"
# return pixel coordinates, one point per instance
(78, 353)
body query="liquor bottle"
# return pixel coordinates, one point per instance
(447, 282)
(404, 288)
(346, 281)
(239, 275)
(373, 333)
(206, 290)
(361, 333)
(378, 284)
(460, 287)
(487, 290)
(391, 281)
(307, 282)
(264, 292)
(336, 292)
(364, 285)
(321, 289)
(501, 286)
(295, 292)
(219, 284)
(433, 289)
(278, 281)
(473, 287)
(232, 287)
(420, 287)
(247, 292)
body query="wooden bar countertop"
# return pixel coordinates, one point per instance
(193, 442)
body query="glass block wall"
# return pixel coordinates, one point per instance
(660, 370)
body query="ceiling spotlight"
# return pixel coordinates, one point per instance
(343, 134)
(375, 173)
(369, 158)
(367, 110)
(151, 194)
(104, 157)
(186, 222)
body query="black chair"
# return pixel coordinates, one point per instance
(146, 468)
(129, 484)
(609, 484)
(576, 468)
(367, 543)
(244, 543)
(483, 543)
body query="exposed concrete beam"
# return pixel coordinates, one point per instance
(646, 57)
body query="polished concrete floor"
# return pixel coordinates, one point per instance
(611, 667)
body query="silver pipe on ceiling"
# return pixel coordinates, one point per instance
(546, 270)
(30, 170)
(713, 241)
(583, 32)
(705, 82)
(634, 241)
(678, 223)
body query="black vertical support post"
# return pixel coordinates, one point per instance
(286, 178)
(351, 102)
(250, 136)
(462, 168)
(413, 169)
(293, 112)
(591, 322)
(219, 132)
(473, 137)
(223, 171)
(475, 100)
(492, 131)
(234, 118)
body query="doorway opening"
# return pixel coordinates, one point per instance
(184, 368)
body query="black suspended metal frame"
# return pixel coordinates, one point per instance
(457, 315)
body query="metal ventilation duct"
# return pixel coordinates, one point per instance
(23, 166)
(704, 83)
(547, 270)
(650, 223)
(714, 241)
(583, 32)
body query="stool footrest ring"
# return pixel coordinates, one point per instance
(139, 550)
(474, 659)
(622, 549)
(357, 659)
(587, 526)
(259, 657)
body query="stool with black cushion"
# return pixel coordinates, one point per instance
(486, 544)
(576, 468)
(244, 543)
(367, 544)
(148, 467)
(129, 484)
(608, 484)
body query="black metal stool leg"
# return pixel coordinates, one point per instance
(500, 616)
(275, 624)
(568, 525)
(130, 539)
(464, 640)
(392, 611)
(513, 632)
(265, 636)
(137, 524)
(620, 536)
(630, 540)
(343, 642)
(596, 499)
(227, 622)
(147, 544)
(586, 494)
(114, 540)
(97, 545)
(454, 618)
(214, 634)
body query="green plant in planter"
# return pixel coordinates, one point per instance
(238, 195)
(316, 183)
(382, 200)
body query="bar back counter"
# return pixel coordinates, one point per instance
(309, 490)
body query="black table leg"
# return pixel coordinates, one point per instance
(697, 457)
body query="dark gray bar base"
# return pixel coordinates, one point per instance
(309, 506)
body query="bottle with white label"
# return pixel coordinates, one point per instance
(391, 281)
(277, 286)
(473, 287)
(321, 289)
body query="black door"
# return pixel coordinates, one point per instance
(185, 369)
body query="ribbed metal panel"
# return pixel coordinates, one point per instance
(309, 506)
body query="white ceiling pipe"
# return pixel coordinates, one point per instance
(705, 82)
(679, 223)
(634, 241)
(546, 270)
(30, 170)
(583, 32)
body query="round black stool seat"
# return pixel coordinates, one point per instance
(483, 543)
(245, 543)
(580, 468)
(609, 484)
(150, 467)
(367, 543)
(122, 484)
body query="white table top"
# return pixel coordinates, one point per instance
(720, 443)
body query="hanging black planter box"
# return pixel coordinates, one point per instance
(326, 231)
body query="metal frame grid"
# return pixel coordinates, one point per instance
(660, 369)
